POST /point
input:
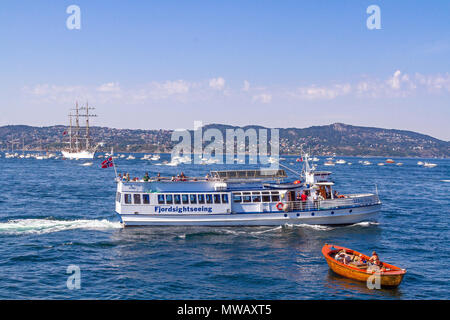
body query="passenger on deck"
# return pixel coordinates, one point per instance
(315, 198)
(128, 177)
(158, 177)
(339, 256)
(303, 197)
(375, 261)
(347, 258)
(374, 258)
(361, 259)
(146, 177)
(173, 178)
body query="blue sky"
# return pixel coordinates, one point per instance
(164, 64)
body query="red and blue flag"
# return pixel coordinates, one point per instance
(108, 163)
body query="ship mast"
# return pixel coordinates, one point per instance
(87, 115)
(70, 132)
(77, 126)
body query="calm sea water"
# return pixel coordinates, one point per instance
(56, 213)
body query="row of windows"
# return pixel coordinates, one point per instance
(215, 198)
(256, 196)
(137, 198)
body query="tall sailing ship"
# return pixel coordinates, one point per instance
(76, 149)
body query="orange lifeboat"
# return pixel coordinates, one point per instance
(392, 276)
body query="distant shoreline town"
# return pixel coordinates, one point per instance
(335, 139)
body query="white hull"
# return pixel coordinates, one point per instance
(321, 217)
(78, 155)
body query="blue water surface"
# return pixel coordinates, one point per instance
(58, 213)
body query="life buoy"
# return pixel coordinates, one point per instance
(280, 206)
(341, 196)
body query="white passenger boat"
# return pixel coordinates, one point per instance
(241, 197)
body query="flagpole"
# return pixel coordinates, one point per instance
(112, 160)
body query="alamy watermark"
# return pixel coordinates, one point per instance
(374, 20)
(374, 281)
(73, 22)
(228, 146)
(74, 280)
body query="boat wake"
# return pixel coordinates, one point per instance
(43, 226)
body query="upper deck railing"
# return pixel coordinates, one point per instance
(354, 200)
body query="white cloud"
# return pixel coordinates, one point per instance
(246, 86)
(323, 92)
(109, 87)
(397, 85)
(217, 83)
(263, 98)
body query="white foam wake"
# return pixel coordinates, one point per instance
(40, 226)
(310, 226)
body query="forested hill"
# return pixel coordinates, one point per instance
(338, 138)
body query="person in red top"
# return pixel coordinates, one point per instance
(304, 197)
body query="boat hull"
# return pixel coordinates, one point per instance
(343, 216)
(78, 155)
(387, 279)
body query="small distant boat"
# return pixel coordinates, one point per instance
(381, 164)
(130, 157)
(392, 277)
(87, 164)
(390, 161)
(399, 163)
(367, 163)
(155, 157)
(420, 163)
(329, 163)
(429, 165)
(341, 161)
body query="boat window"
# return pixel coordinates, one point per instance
(275, 192)
(169, 199)
(146, 199)
(193, 198)
(217, 198)
(118, 197)
(176, 199)
(265, 198)
(137, 198)
(208, 198)
(237, 197)
(275, 198)
(185, 199)
(247, 198)
(128, 198)
(161, 199)
(256, 197)
(201, 198)
(224, 198)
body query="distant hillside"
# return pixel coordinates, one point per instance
(342, 139)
